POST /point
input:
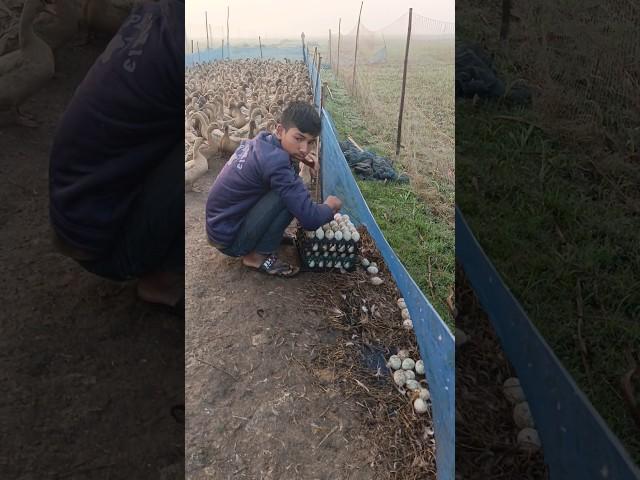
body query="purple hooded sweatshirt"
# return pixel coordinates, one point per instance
(258, 166)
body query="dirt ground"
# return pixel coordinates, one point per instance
(89, 374)
(252, 410)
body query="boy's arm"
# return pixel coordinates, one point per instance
(297, 199)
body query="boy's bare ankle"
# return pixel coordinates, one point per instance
(253, 259)
(166, 288)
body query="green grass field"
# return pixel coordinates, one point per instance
(560, 223)
(424, 242)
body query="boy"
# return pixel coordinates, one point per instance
(116, 166)
(258, 192)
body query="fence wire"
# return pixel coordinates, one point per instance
(428, 121)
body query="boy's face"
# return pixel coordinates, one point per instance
(294, 142)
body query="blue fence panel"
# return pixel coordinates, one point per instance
(437, 346)
(577, 443)
(278, 53)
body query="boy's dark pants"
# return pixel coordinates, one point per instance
(152, 236)
(262, 229)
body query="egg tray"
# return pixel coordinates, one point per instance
(304, 246)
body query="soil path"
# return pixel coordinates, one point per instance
(252, 410)
(89, 374)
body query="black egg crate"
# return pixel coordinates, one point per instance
(328, 253)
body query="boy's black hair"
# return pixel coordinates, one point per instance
(302, 116)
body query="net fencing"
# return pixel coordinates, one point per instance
(581, 59)
(428, 120)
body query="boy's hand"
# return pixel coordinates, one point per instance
(311, 161)
(334, 202)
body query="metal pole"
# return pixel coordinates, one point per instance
(191, 47)
(260, 42)
(404, 83)
(228, 47)
(355, 59)
(206, 27)
(338, 60)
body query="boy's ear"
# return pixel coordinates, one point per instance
(279, 131)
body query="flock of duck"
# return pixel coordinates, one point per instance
(227, 101)
(32, 30)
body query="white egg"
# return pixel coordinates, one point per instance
(329, 234)
(332, 248)
(424, 394)
(319, 233)
(522, 415)
(338, 264)
(315, 247)
(312, 264)
(347, 265)
(404, 312)
(408, 324)
(401, 303)
(394, 362)
(355, 236)
(420, 367)
(321, 264)
(529, 440)
(324, 247)
(403, 354)
(310, 234)
(420, 406)
(335, 227)
(338, 235)
(333, 223)
(412, 384)
(372, 270)
(374, 264)
(410, 374)
(513, 391)
(377, 281)
(346, 236)
(364, 262)
(329, 263)
(345, 218)
(399, 377)
(408, 364)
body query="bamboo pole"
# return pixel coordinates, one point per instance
(191, 46)
(404, 83)
(330, 62)
(228, 47)
(319, 90)
(338, 60)
(206, 27)
(304, 51)
(355, 59)
(260, 42)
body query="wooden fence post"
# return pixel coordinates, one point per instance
(355, 59)
(404, 83)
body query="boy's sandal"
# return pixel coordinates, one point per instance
(273, 266)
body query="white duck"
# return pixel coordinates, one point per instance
(25, 71)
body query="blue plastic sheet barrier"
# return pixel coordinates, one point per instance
(278, 53)
(577, 442)
(437, 346)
